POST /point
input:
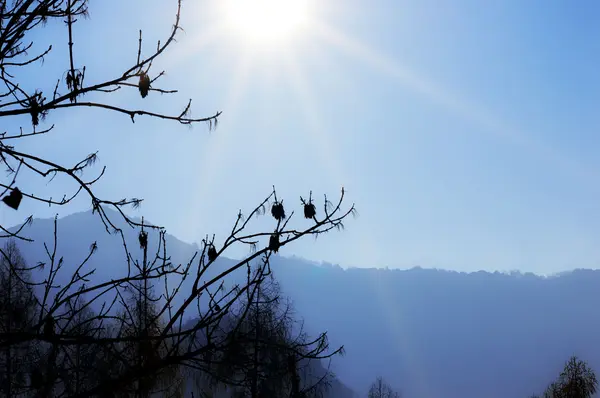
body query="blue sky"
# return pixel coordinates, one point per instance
(466, 131)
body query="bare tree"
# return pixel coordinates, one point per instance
(18, 312)
(20, 20)
(381, 389)
(78, 365)
(138, 322)
(137, 344)
(577, 380)
(186, 290)
(269, 355)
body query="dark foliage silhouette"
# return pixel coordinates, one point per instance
(268, 354)
(18, 312)
(381, 389)
(577, 380)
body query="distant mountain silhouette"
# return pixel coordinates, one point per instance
(430, 333)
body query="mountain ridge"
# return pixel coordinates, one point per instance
(114, 215)
(429, 332)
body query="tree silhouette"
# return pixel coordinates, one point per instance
(18, 312)
(134, 349)
(268, 354)
(20, 23)
(139, 322)
(135, 325)
(577, 380)
(381, 389)
(78, 363)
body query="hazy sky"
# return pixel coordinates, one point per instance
(465, 131)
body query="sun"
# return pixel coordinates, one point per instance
(266, 21)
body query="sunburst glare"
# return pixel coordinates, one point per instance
(266, 21)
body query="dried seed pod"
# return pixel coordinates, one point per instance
(73, 84)
(35, 113)
(69, 80)
(144, 84)
(274, 242)
(310, 211)
(143, 238)
(13, 199)
(277, 211)
(212, 253)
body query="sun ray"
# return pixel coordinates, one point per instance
(327, 152)
(461, 107)
(213, 157)
(265, 22)
(194, 44)
(403, 345)
(232, 100)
